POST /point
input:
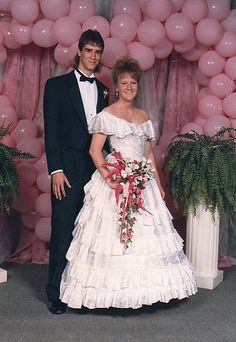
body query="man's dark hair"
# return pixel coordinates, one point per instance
(92, 37)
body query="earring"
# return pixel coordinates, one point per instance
(117, 93)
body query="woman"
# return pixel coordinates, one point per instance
(129, 254)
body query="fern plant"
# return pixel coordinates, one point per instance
(9, 180)
(203, 171)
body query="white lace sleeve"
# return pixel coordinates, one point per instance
(101, 124)
(150, 132)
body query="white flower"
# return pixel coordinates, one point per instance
(123, 174)
(128, 170)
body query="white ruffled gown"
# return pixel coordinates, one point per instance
(154, 268)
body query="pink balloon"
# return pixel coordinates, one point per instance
(165, 139)
(229, 105)
(163, 49)
(127, 7)
(43, 229)
(43, 182)
(81, 10)
(27, 174)
(195, 10)
(8, 141)
(210, 105)
(1, 38)
(104, 75)
(31, 145)
(227, 45)
(73, 50)
(230, 68)
(194, 54)
(211, 63)
(159, 156)
(218, 9)
(62, 55)
(55, 9)
(27, 200)
(159, 10)
(221, 85)
(5, 101)
(3, 54)
(42, 34)
(114, 49)
(5, 5)
(43, 205)
(30, 219)
(98, 23)
(178, 27)
(144, 55)
(191, 127)
(21, 33)
(186, 45)
(209, 31)
(25, 11)
(215, 123)
(124, 28)
(150, 32)
(8, 117)
(203, 92)
(66, 30)
(9, 41)
(41, 164)
(177, 4)
(229, 23)
(24, 128)
(200, 121)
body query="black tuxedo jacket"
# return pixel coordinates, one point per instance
(66, 130)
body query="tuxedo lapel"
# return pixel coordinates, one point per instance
(100, 101)
(74, 94)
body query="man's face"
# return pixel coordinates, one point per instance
(89, 58)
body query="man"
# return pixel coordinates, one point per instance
(70, 101)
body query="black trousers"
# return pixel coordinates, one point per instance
(64, 213)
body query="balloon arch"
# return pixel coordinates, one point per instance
(202, 31)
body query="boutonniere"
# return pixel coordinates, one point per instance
(105, 93)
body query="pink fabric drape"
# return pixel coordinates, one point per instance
(181, 102)
(26, 72)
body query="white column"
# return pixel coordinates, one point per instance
(3, 275)
(202, 247)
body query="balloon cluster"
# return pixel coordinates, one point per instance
(203, 31)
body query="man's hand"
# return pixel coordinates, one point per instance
(58, 184)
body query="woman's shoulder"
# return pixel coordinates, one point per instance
(141, 115)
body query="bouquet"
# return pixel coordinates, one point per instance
(133, 176)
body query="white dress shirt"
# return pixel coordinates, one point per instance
(89, 95)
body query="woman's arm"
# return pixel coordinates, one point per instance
(149, 155)
(95, 151)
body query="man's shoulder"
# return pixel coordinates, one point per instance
(59, 79)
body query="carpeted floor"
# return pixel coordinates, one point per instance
(209, 316)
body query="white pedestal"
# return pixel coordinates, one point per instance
(3, 275)
(202, 247)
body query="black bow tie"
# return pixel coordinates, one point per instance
(84, 78)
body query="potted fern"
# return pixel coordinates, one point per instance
(9, 180)
(202, 179)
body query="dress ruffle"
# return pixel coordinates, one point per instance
(109, 124)
(99, 274)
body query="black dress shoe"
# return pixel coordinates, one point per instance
(57, 307)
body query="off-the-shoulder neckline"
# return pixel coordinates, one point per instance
(129, 122)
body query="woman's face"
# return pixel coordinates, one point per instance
(127, 87)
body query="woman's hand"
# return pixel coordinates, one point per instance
(112, 182)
